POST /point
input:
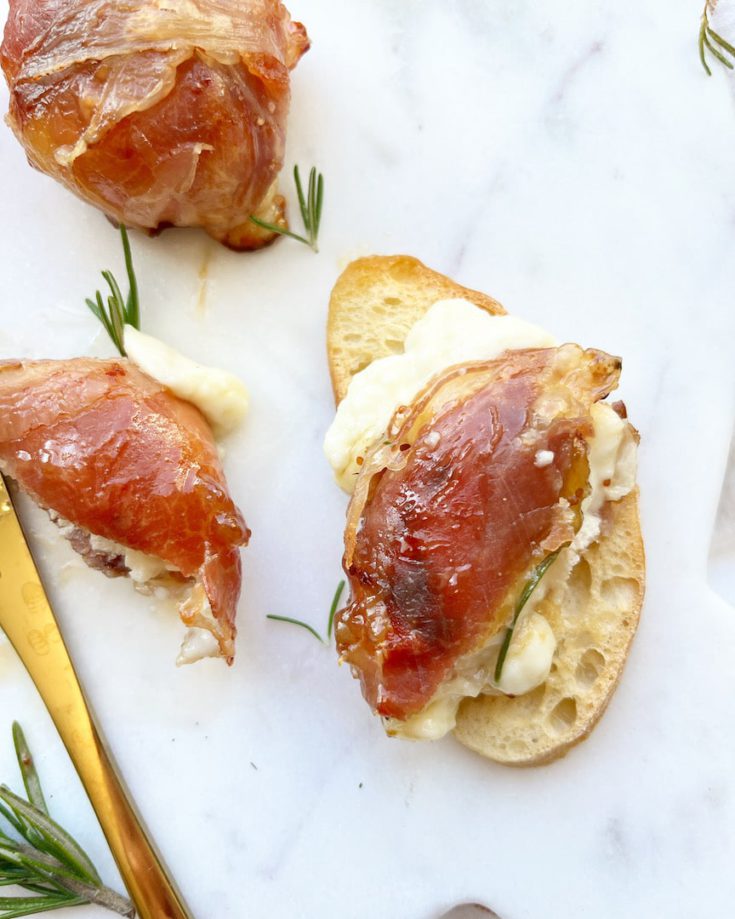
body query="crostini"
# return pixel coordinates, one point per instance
(493, 545)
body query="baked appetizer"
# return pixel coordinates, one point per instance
(132, 475)
(492, 545)
(158, 113)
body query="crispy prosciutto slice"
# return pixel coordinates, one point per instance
(478, 481)
(125, 464)
(157, 112)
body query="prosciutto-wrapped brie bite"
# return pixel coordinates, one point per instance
(132, 474)
(475, 484)
(157, 112)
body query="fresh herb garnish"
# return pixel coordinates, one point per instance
(711, 41)
(333, 608)
(304, 625)
(45, 859)
(311, 210)
(309, 628)
(118, 313)
(531, 584)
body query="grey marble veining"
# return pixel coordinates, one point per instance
(573, 160)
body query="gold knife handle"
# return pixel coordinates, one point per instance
(28, 621)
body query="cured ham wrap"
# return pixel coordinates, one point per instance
(158, 113)
(452, 514)
(132, 474)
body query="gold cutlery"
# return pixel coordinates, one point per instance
(27, 619)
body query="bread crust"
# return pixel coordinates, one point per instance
(594, 620)
(373, 305)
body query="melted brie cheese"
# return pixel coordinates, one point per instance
(526, 666)
(149, 575)
(142, 567)
(454, 332)
(197, 644)
(437, 719)
(451, 332)
(529, 657)
(613, 468)
(220, 396)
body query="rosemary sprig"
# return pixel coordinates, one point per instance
(712, 41)
(309, 628)
(42, 857)
(118, 312)
(310, 205)
(531, 584)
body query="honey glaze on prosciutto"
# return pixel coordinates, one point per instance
(450, 515)
(159, 113)
(115, 453)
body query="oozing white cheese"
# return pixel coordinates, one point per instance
(613, 468)
(197, 644)
(220, 396)
(436, 720)
(529, 657)
(142, 567)
(451, 332)
(526, 666)
(148, 574)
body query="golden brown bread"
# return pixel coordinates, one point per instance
(373, 305)
(594, 621)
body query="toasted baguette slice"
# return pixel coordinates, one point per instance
(373, 305)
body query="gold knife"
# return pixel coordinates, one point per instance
(28, 621)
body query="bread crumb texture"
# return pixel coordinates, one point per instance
(594, 619)
(374, 304)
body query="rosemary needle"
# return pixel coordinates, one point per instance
(304, 625)
(531, 584)
(118, 312)
(41, 856)
(310, 205)
(28, 770)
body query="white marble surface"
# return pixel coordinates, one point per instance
(572, 159)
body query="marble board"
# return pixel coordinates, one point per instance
(574, 160)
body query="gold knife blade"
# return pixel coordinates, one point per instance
(27, 619)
